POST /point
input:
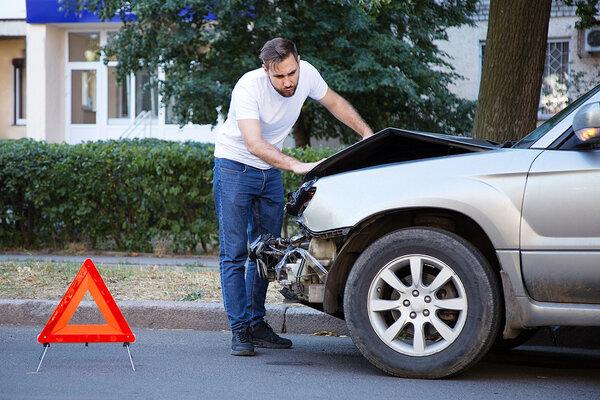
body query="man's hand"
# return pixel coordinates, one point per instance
(255, 143)
(366, 135)
(301, 168)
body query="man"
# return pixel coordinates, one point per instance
(248, 190)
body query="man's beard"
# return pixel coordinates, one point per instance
(287, 93)
(284, 93)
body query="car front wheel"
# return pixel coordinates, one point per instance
(422, 303)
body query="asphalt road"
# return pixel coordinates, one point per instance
(196, 365)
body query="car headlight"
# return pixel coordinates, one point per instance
(298, 200)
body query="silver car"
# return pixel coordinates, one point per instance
(435, 248)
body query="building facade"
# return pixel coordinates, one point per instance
(55, 86)
(570, 69)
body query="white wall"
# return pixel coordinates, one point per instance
(55, 85)
(36, 81)
(464, 51)
(13, 28)
(45, 83)
(12, 9)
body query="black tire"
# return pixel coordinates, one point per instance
(480, 286)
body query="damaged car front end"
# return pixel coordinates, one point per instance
(435, 249)
(301, 264)
(293, 263)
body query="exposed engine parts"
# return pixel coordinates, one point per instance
(289, 261)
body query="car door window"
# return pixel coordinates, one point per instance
(570, 141)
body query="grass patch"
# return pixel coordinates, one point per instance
(49, 280)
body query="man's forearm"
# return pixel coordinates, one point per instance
(272, 155)
(345, 113)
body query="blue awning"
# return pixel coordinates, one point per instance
(49, 12)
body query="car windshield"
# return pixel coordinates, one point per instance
(552, 122)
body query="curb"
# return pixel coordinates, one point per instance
(211, 317)
(172, 315)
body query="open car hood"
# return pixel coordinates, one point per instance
(392, 145)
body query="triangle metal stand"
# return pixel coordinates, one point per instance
(126, 344)
(41, 358)
(47, 345)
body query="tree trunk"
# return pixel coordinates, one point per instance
(514, 57)
(301, 134)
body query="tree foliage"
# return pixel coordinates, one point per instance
(586, 11)
(380, 55)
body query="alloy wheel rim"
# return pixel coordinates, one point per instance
(417, 305)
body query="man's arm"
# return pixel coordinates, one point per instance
(344, 112)
(264, 150)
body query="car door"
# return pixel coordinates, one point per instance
(560, 227)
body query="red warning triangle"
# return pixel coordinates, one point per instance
(58, 330)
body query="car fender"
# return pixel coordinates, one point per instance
(487, 187)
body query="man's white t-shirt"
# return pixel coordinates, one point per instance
(254, 97)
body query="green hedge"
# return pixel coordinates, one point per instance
(120, 195)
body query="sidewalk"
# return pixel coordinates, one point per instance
(142, 260)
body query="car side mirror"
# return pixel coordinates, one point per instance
(586, 123)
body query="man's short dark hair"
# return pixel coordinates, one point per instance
(276, 50)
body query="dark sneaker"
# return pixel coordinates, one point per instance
(262, 335)
(241, 344)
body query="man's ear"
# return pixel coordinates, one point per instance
(265, 68)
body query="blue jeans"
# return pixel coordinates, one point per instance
(249, 202)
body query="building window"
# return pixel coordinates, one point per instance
(19, 78)
(138, 94)
(84, 46)
(118, 98)
(83, 97)
(481, 53)
(146, 94)
(170, 117)
(554, 93)
(97, 99)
